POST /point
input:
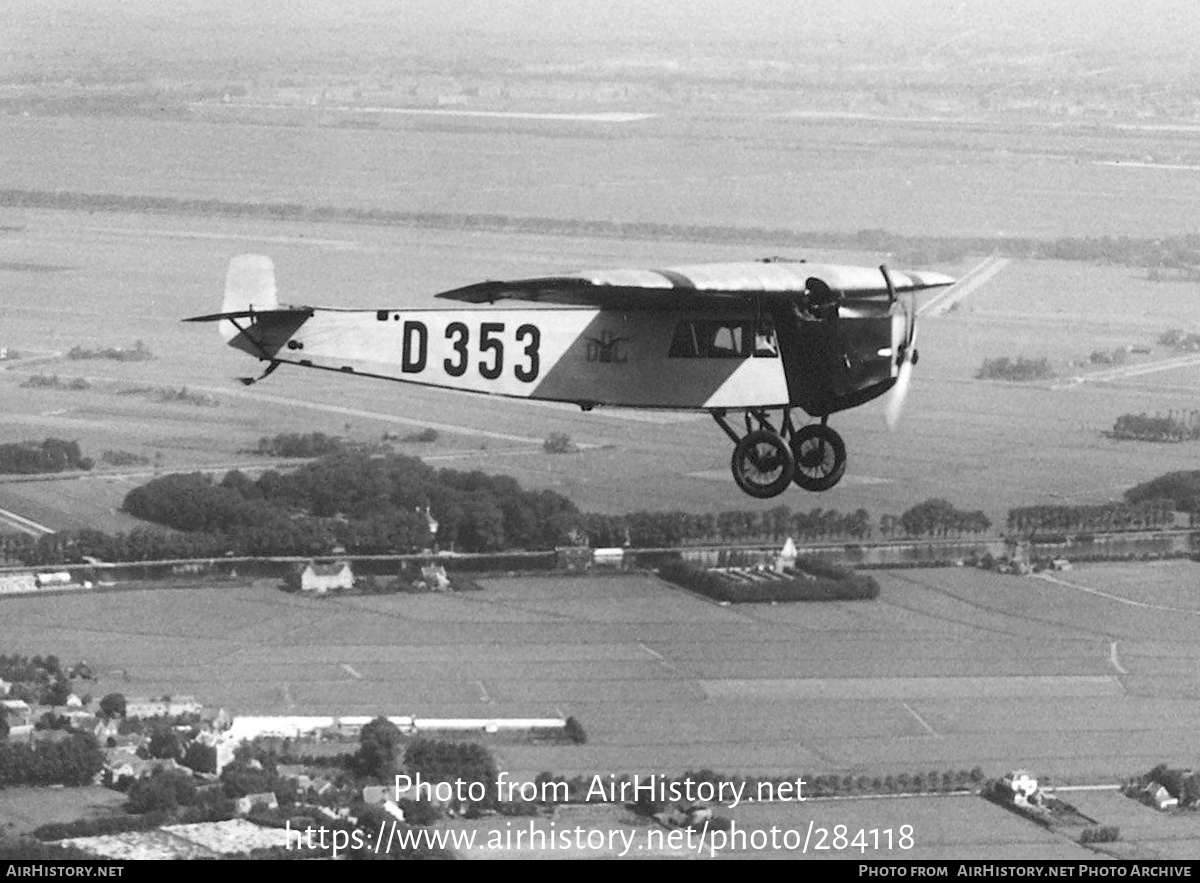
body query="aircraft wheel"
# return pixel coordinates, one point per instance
(820, 456)
(762, 464)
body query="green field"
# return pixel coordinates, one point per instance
(23, 809)
(950, 669)
(103, 279)
(979, 444)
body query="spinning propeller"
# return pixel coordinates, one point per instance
(907, 355)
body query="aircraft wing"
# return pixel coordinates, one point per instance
(695, 284)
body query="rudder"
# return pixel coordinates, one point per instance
(249, 285)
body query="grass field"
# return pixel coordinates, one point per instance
(948, 670)
(979, 444)
(23, 809)
(101, 279)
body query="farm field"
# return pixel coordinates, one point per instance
(924, 679)
(980, 444)
(750, 169)
(23, 809)
(957, 827)
(105, 279)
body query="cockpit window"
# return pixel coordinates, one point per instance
(722, 339)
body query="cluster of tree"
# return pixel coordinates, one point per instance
(559, 443)
(49, 455)
(139, 352)
(73, 760)
(379, 758)
(367, 505)
(1021, 370)
(937, 517)
(37, 680)
(1156, 252)
(574, 731)
(435, 760)
(1109, 357)
(293, 444)
(124, 458)
(25, 849)
(1177, 339)
(1179, 490)
(1115, 515)
(425, 436)
(170, 395)
(53, 381)
(1183, 785)
(1171, 427)
(834, 584)
(94, 827)
(1100, 834)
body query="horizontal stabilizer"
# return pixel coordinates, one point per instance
(254, 315)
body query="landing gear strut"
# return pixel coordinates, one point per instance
(765, 460)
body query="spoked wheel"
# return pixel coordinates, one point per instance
(762, 464)
(820, 457)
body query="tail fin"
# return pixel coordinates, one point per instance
(249, 287)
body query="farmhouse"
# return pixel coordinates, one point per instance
(321, 578)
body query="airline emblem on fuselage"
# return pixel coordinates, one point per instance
(606, 348)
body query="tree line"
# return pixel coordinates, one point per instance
(1115, 516)
(1152, 252)
(1174, 426)
(1022, 370)
(356, 504)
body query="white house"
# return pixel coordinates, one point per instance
(321, 578)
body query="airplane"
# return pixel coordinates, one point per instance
(748, 338)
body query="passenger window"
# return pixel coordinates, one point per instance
(717, 339)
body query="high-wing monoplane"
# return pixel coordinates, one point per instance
(753, 341)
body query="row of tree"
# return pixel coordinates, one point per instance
(1152, 252)
(1174, 426)
(1020, 370)
(139, 352)
(361, 504)
(1104, 517)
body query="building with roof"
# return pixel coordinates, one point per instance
(167, 706)
(321, 578)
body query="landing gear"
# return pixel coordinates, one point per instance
(762, 464)
(820, 456)
(765, 460)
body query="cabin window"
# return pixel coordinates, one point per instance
(722, 339)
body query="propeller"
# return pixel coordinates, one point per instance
(908, 356)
